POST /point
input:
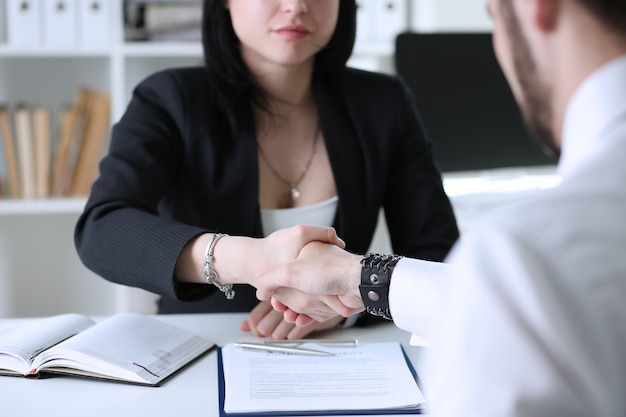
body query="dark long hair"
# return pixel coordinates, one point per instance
(233, 86)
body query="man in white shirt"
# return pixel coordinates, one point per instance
(530, 308)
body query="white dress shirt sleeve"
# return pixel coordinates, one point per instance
(415, 296)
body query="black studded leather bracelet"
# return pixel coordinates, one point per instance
(376, 272)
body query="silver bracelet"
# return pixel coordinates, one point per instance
(210, 274)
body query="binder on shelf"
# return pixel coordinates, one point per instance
(59, 22)
(365, 21)
(3, 169)
(391, 18)
(94, 137)
(423, 16)
(3, 23)
(24, 22)
(94, 17)
(3, 166)
(42, 148)
(166, 21)
(24, 140)
(68, 143)
(12, 188)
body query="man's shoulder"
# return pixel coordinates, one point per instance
(563, 228)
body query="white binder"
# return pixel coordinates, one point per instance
(60, 23)
(365, 21)
(94, 18)
(391, 17)
(23, 22)
(3, 23)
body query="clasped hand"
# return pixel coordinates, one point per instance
(319, 283)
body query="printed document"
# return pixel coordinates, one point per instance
(368, 376)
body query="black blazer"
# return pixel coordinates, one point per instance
(173, 172)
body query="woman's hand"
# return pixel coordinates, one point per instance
(264, 321)
(240, 259)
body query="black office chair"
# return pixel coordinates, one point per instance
(465, 102)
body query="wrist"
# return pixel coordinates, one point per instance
(232, 267)
(354, 272)
(227, 259)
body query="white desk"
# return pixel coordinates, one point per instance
(193, 392)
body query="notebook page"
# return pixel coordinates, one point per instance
(129, 346)
(36, 335)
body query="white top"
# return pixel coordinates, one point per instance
(534, 322)
(319, 214)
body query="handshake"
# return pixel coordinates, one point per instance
(304, 276)
(309, 276)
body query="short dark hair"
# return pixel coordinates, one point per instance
(612, 12)
(235, 89)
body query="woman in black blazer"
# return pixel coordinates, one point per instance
(273, 130)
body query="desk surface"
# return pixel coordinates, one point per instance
(193, 392)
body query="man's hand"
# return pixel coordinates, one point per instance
(264, 321)
(327, 273)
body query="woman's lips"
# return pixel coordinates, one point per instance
(293, 32)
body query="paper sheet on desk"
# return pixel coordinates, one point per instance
(369, 376)
(417, 340)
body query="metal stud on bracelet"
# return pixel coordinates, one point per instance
(210, 274)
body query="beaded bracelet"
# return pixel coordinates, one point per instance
(210, 274)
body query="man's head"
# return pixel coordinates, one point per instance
(547, 47)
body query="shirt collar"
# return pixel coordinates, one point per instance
(597, 103)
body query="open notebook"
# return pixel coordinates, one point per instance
(129, 348)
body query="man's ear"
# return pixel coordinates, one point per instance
(546, 13)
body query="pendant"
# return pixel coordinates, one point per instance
(293, 192)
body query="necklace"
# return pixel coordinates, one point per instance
(294, 193)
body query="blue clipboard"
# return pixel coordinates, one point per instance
(222, 391)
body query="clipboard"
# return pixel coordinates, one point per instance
(420, 409)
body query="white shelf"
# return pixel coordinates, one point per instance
(161, 49)
(173, 49)
(42, 52)
(21, 207)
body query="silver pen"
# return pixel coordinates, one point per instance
(322, 342)
(283, 349)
